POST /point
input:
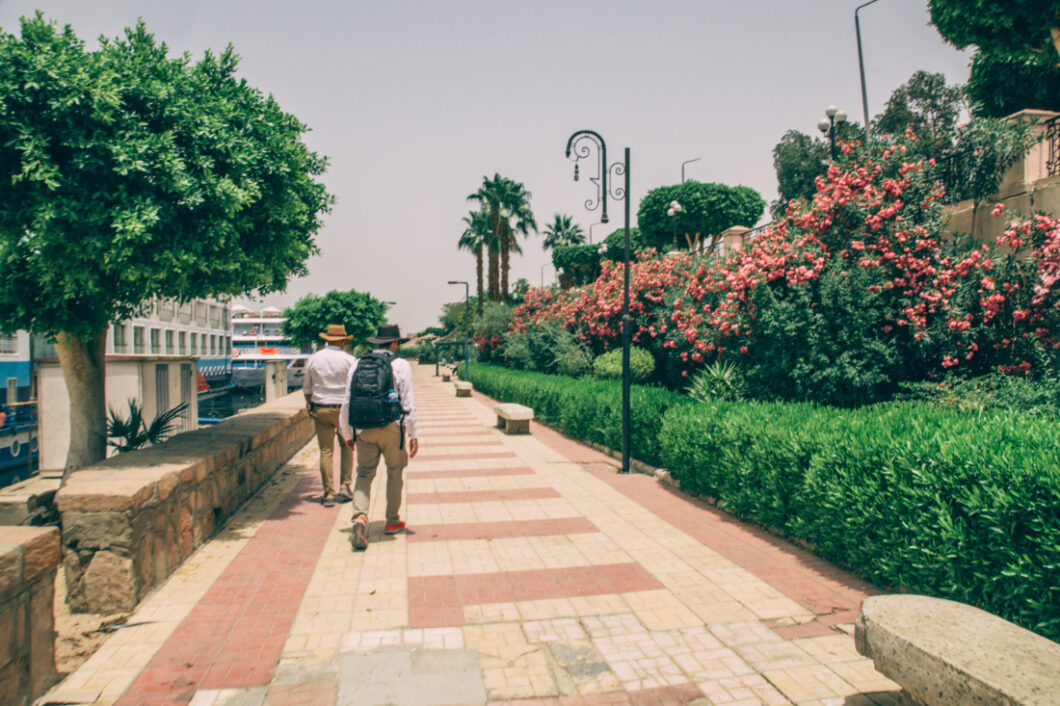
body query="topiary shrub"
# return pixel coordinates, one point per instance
(641, 365)
(547, 348)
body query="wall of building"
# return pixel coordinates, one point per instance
(128, 378)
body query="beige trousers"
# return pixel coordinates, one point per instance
(327, 424)
(371, 444)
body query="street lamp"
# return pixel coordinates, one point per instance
(827, 124)
(687, 161)
(591, 230)
(675, 208)
(861, 68)
(582, 143)
(467, 323)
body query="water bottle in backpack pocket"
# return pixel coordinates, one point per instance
(374, 402)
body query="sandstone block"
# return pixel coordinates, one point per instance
(513, 418)
(947, 653)
(97, 530)
(42, 635)
(111, 583)
(40, 552)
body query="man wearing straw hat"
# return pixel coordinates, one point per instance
(324, 388)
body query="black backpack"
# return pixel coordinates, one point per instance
(373, 399)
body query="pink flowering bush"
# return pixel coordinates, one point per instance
(847, 296)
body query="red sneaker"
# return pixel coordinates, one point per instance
(359, 535)
(394, 528)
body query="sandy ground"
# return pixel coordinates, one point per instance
(78, 635)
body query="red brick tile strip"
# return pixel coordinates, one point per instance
(437, 601)
(234, 636)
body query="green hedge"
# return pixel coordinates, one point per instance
(583, 408)
(927, 500)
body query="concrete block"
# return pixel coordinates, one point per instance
(513, 418)
(463, 388)
(945, 653)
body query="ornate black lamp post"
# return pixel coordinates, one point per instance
(827, 124)
(581, 145)
(467, 323)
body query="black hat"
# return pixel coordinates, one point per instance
(387, 333)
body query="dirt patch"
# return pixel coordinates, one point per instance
(78, 635)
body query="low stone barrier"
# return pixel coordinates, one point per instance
(947, 653)
(463, 388)
(130, 521)
(28, 560)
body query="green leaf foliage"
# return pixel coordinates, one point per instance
(583, 409)
(915, 498)
(126, 173)
(1017, 61)
(580, 264)
(641, 365)
(359, 312)
(707, 210)
(547, 348)
(615, 244)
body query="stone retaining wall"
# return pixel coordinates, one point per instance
(130, 521)
(28, 560)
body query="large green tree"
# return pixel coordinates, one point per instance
(126, 173)
(928, 107)
(507, 206)
(359, 312)
(563, 231)
(1017, 59)
(706, 211)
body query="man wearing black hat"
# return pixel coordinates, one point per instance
(396, 441)
(324, 388)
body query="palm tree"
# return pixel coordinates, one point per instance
(563, 231)
(474, 238)
(507, 204)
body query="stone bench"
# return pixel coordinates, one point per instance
(943, 652)
(513, 418)
(463, 388)
(446, 377)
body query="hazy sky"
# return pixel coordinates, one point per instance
(414, 102)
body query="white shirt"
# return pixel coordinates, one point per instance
(325, 375)
(402, 383)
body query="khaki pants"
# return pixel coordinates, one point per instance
(371, 443)
(327, 424)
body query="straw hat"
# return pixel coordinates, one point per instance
(335, 333)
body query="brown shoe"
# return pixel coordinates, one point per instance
(328, 501)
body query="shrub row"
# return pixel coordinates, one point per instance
(912, 497)
(927, 500)
(586, 409)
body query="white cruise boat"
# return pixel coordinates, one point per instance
(257, 337)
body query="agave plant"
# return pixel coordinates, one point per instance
(133, 432)
(719, 381)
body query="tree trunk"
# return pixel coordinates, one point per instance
(1056, 38)
(478, 276)
(494, 288)
(504, 270)
(83, 369)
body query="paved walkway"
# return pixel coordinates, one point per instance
(531, 573)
